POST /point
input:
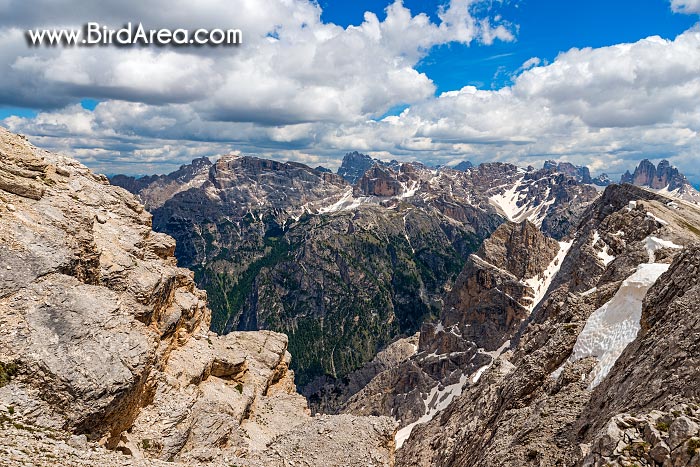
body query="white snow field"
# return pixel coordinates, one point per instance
(615, 324)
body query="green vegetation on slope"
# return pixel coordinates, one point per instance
(339, 287)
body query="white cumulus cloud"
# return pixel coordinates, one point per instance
(686, 6)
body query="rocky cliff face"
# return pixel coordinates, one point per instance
(355, 165)
(105, 343)
(383, 182)
(663, 177)
(576, 364)
(492, 295)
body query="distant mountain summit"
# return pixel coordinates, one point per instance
(658, 178)
(664, 177)
(464, 165)
(355, 165)
(154, 190)
(579, 172)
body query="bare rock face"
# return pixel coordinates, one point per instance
(90, 305)
(491, 299)
(384, 182)
(105, 342)
(539, 404)
(657, 177)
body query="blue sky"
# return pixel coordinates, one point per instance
(546, 28)
(302, 88)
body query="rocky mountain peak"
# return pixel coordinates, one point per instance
(155, 190)
(198, 163)
(354, 166)
(463, 165)
(500, 285)
(581, 173)
(229, 171)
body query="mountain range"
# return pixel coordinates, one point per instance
(260, 235)
(491, 316)
(284, 247)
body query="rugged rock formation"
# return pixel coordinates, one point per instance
(577, 352)
(656, 438)
(553, 201)
(105, 341)
(665, 357)
(581, 173)
(540, 402)
(382, 182)
(332, 395)
(647, 174)
(155, 190)
(663, 177)
(492, 297)
(355, 165)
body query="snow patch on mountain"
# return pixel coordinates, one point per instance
(686, 193)
(507, 201)
(436, 401)
(654, 244)
(517, 207)
(540, 283)
(656, 219)
(440, 398)
(603, 251)
(615, 325)
(409, 190)
(346, 202)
